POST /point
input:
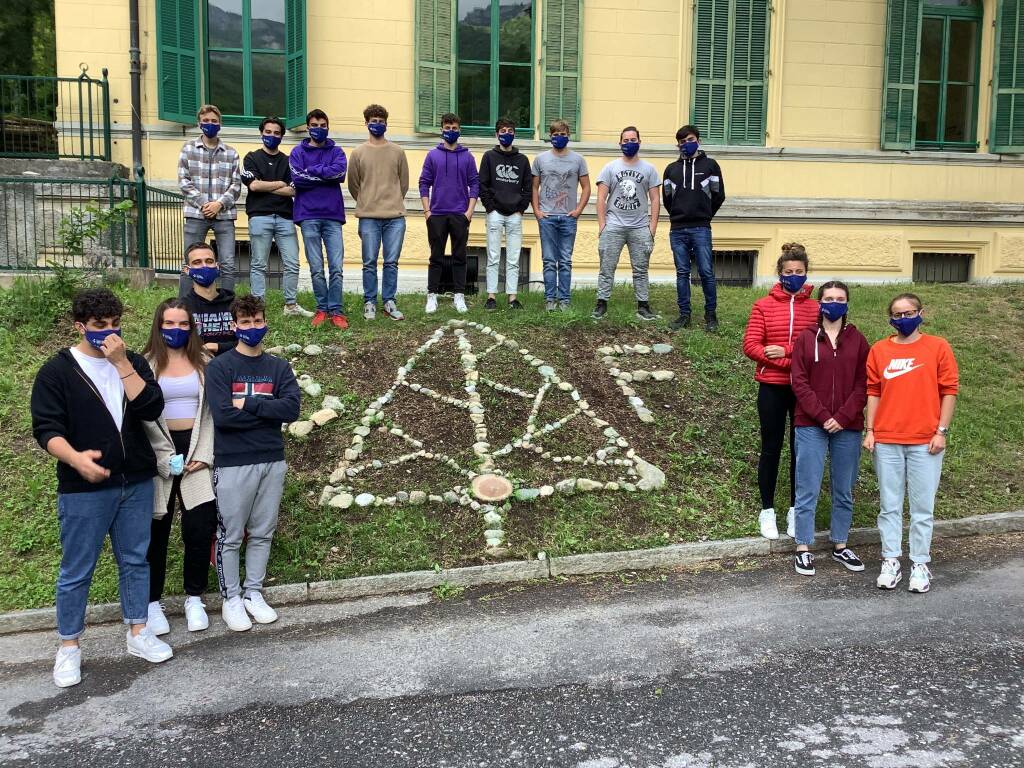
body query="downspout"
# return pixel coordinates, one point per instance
(136, 83)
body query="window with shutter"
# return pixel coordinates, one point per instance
(562, 34)
(435, 36)
(1007, 133)
(178, 70)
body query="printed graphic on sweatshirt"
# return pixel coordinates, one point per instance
(252, 386)
(900, 366)
(507, 173)
(213, 323)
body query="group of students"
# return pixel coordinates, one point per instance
(304, 189)
(191, 422)
(895, 399)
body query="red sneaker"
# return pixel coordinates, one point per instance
(339, 321)
(318, 318)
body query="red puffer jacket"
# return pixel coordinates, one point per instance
(778, 319)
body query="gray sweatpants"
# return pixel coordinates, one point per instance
(248, 499)
(609, 246)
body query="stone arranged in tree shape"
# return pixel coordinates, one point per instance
(487, 483)
(610, 357)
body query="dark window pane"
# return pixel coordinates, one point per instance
(267, 84)
(475, 94)
(514, 95)
(225, 80)
(266, 24)
(931, 49)
(516, 29)
(959, 106)
(224, 23)
(474, 29)
(927, 112)
(963, 38)
(957, 3)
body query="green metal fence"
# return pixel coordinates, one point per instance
(55, 117)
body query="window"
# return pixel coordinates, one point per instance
(245, 56)
(942, 267)
(1008, 81)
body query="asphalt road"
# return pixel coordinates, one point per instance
(742, 665)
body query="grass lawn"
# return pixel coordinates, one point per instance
(705, 436)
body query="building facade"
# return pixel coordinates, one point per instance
(883, 134)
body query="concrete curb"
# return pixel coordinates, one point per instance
(671, 556)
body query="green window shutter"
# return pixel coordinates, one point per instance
(748, 100)
(899, 93)
(1008, 83)
(435, 70)
(295, 63)
(562, 34)
(710, 71)
(178, 65)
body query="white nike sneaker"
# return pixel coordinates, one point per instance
(296, 310)
(460, 303)
(195, 614)
(148, 646)
(920, 578)
(67, 668)
(431, 307)
(258, 609)
(769, 527)
(791, 523)
(890, 575)
(157, 621)
(234, 615)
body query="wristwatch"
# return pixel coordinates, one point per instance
(942, 431)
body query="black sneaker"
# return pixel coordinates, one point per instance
(710, 322)
(803, 562)
(490, 305)
(514, 304)
(600, 310)
(683, 321)
(643, 311)
(847, 559)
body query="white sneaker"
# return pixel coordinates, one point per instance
(769, 528)
(67, 669)
(891, 574)
(157, 621)
(258, 609)
(431, 307)
(148, 646)
(295, 310)
(234, 615)
(460, 303)
(791, 523)
(392, 311)
(920, 578)
(195, 615)
(370, 310)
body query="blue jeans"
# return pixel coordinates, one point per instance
(693, 243)
(195, 231)
(262, 230)
(328, 233)
(391, 234)
(907, 470)
(557, 237)
(125, 512)
(843, 451)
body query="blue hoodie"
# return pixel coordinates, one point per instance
(449, 179)
(317, 174)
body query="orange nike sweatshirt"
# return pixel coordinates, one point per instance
(910, 380)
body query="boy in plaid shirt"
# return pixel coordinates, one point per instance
(208, 176)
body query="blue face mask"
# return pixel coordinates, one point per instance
(451, 136)
(689, 148)
(318, 134)
(96, 338)
(792, 283)
(204, 276)
(271, 142)
(630, 148)
(251, 336)
(176, 464)
(834, 310)
(506, 139)
(210, 129)
(377, 129)
(175, 338)
(559, 142)
(906, 326)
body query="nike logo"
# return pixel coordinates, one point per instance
(900, 366)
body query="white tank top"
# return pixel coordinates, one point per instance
(181, 396)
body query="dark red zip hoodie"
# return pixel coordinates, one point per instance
(830, 383)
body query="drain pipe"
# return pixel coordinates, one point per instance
(136, 83)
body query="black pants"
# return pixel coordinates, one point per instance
(440, 227)
(774, 403)
(198, 527)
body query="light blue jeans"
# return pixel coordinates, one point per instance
(842, 448)
(907, 470)
(374, 233)
(195, 231)
(512, 226)
(557, 238)
(325, 233)
(262, 231)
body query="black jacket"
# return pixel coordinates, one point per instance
(693, 191)
(213, 318)
(262, 166)
(65, 403)
(506, 181)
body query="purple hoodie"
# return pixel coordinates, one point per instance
(317, 174)
(450, 179)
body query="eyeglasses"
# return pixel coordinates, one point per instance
(910, 313)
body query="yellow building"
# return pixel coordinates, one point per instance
(883, 134)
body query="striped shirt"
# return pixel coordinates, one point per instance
(209, 175)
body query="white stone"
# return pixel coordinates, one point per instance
(641, 375)
(300, 428)
(663, 375)
(605, 351)
(628, 391)
(365, 499)
(325, 495)
(322, 417)
(642, 349)
(362, 430)
(661, 349)
(417, 497)
(646, 416)
(546, 370)
(313, 389)
(481, 447)
(651, 477)
(276, 350)
(339, 474)
(293, 348)
(492, 519)
(351, 454)
(402, 497)
(614, 372)
(566, 486)
(313, 349)
(332, 402)
(547, 490)
(344, 500)
(586, 484)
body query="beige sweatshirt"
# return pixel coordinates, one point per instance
(378, 178)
